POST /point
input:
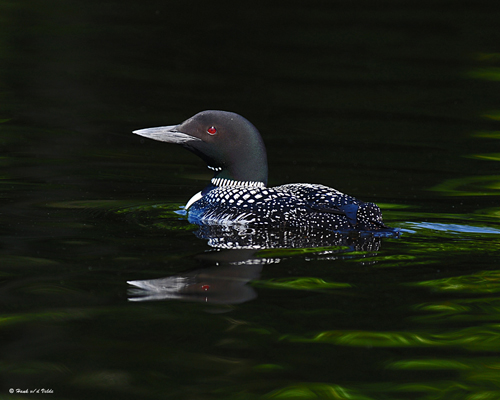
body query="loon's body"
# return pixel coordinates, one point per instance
(238, 193)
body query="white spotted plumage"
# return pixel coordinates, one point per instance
(292, 205)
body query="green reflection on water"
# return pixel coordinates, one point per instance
(305, 283)
(395, 260)
(491, 157)
(482, 282)
(487, 185)
(447, 390)
(486, 337)
(315, 391)
(488, 56)
(393, 206)
(490, 74)
(162, 216)
(459, 310)
(427, 364)
(268, 367)
(488, 134)
(429, 241)
(479, 378)
(448, 308)
(56, 315)
(493, 115)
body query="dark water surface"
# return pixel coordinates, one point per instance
(392, 102)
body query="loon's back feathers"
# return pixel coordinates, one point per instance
(293, 205)
(238, 194)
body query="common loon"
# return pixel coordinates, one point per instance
(238, 194)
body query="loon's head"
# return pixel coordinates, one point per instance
(227, 142)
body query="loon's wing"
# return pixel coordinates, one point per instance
(325, 199)
(349, 210)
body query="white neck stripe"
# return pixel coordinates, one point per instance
(222, 182)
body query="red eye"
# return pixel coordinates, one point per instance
(212, 130)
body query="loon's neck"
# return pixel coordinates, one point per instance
(223, 182)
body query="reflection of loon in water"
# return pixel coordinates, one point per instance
(223, 280)
(249, 237)
(236, 261)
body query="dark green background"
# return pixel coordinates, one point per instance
(394, 102)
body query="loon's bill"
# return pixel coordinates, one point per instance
(166, 134)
